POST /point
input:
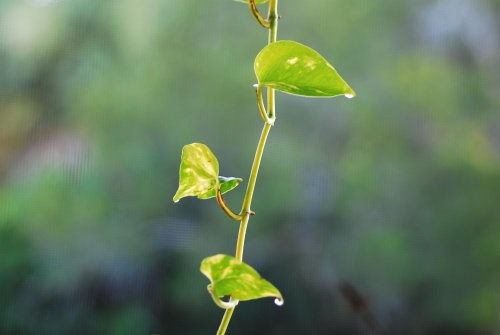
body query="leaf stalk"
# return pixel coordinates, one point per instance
(219, 302)
(255, 11)
(222, 204)
(267, 117)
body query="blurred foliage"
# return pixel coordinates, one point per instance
(395, 191)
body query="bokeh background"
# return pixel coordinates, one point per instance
(374, 215)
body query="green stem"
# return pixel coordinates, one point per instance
(273, 35)
(245, 210)
(273, 21)
(262, 109)
(225, 321)
(255, 11)
(247, 201)
(225, 207)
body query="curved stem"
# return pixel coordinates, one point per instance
(255, 11)
(225, 207)
(260, 104)
(240, 244)
(246, 211)
(262, 109)
(219, 302)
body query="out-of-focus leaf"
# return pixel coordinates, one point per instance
(294, 68)
(231, 277)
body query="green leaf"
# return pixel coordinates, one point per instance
(231, 277)
(199, 174)
(256, 1)
(226, 185)
(294, 68)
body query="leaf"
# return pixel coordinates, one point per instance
(226, 185)
(199, 174)
(294, 68)
(256, 1)
(231, 277)
(198, 171)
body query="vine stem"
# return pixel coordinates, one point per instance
(255, 11)
(245, 210)
(247, 201)
(225, 207)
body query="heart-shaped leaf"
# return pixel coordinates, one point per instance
(199, 174)
(231, 277)
(294, 68)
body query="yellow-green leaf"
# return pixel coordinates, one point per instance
(199, 174)
(231, 277)
(226, 184)
(294, 68)
(198, 171)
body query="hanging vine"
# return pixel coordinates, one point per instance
(286, 66)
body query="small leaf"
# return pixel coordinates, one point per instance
(294, 68)
(226, 184)
(199, 174)
(256, 1)
(231, 277)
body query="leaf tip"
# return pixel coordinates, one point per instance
(349, 93)
(176, 197)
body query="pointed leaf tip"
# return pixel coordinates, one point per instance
(294, 68)
(231, 277)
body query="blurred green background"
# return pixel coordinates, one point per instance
(388, 203)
